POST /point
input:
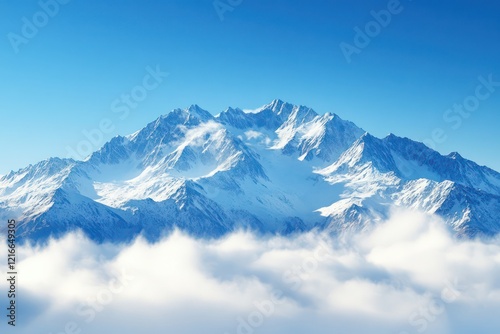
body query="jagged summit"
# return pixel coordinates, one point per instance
(455, 155)
(281, 168)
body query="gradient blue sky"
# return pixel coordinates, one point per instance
(428, 58)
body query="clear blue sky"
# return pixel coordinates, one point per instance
(65, 78)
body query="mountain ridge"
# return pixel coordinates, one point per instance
(281, 168)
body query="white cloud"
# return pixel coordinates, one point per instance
(406, 276)
(252, 134)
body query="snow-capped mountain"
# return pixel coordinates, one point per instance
(277, 169)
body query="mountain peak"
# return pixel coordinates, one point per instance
(391, 136)
(195, 110)
(276, 103)
(455, 155)
(367, 137)
(279, 108)
(191, 115)
(48, 166)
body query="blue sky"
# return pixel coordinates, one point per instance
(64, 78)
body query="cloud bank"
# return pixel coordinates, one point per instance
(408, 275)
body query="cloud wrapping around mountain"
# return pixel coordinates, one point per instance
(408, 275)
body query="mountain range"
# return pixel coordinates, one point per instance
(281, 168)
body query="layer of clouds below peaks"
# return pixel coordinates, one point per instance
(406, 276)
